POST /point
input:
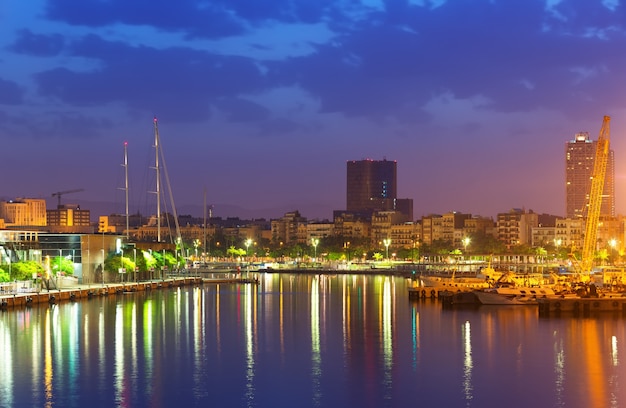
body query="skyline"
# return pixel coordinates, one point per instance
(475, 100)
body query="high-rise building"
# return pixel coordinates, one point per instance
(579, 161)
(372, 185)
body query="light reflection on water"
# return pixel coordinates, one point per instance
(305, 341)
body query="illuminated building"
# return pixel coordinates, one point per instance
(27, 212)
(579, 160)
(372, 186)
(69, 218)
(515, 227)
(370, 182)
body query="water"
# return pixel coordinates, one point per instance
(304, 341)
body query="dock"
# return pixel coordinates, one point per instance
(71, 294)
(552, 306)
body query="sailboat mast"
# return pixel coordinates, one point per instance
(204, 224)
(158, 177)
(126, 188)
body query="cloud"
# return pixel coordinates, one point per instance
(30, 43)
(10, 93)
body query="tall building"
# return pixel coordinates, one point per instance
(372, 184)
(579, 161)
(24, 212)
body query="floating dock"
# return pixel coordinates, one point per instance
(582, 306)
(75, 293)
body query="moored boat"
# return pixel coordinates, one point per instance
(513, 295)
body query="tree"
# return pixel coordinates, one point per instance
(24, 270)
(60, 265)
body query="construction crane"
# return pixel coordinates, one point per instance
(595, 199)
(58, 194)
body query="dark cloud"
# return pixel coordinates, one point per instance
(10, 93)
(513, 53)
(240, 110)
(207, 19)
(180, 81)
(30, 43)
(384, 63)
(195, 18)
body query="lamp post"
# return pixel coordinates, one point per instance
(196, 244)
(315, 242)
(387, 242)
(613, 244)
(557, 244)
(9, 261)
(248, 243)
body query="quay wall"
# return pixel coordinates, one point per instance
(76, 293)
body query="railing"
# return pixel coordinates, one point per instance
(13, 288)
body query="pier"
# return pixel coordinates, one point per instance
(70, 294)
(615, 303)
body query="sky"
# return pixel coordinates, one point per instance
(260, 104)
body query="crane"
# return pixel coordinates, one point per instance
(58, 194)
(595, 198)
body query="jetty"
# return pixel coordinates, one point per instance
(582, 306)
(70, 294)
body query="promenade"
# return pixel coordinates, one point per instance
(74, 293)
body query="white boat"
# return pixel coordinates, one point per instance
(513, 295)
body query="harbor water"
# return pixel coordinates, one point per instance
(305, 340)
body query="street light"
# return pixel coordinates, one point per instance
(248, 243)
(196, 244)
(613, 244)
(315, 242)
(557, 244)
(466, 242)
(387, 242)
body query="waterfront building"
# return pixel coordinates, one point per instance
(319, 230)
(479, 225)
(452, 224)
(579, 161)
(432, 228)
(406, 235)
(286, 229)
(24, 212)
(369, 183)
(69, 218)
(381, 225)
(569, 233)
(543, 236)
(350, 225)
(515, 227)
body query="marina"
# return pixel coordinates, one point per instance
(306, 340)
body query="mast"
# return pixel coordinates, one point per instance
(204, 224)
(126, 187)
(158, 177)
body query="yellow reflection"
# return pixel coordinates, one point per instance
(468, 364)
(250, 319)
(119, 355)
(316, 361)
(48, 360)
(559, 369)
(346, 312)
(148, 341)
(614, 359)
(387, 343)
(6, 365)
(281, 310)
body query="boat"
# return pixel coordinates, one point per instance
(509, 294)
(434, 284)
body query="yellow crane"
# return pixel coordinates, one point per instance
(595, 199)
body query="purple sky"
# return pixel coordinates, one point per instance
(261, 103)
